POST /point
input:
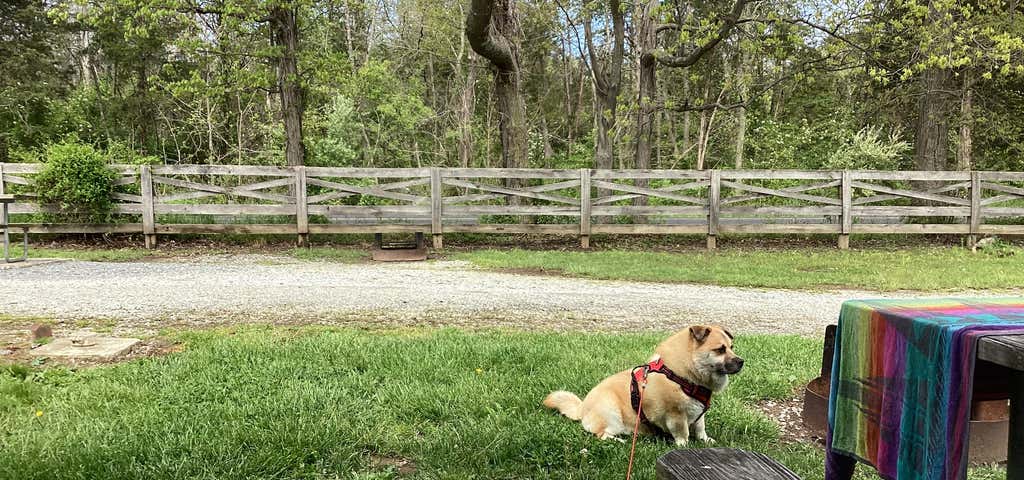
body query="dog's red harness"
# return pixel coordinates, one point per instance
(699, 393)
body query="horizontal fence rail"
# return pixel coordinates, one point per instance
(190, 199)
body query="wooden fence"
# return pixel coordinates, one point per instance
(178, 199)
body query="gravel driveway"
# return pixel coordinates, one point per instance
(259, 288)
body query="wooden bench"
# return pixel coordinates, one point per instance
(5, 226)
(720, 464)
(1008, 351)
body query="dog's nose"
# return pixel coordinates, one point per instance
(737, 364)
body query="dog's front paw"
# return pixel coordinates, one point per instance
(708, 440)
(681, 442)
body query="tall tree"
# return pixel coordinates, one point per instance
(492, 27)
(607, 77)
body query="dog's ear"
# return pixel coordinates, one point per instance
(700, 333)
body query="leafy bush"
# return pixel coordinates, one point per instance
(77, 179)
(869, 149)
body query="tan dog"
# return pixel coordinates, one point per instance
(702, 355)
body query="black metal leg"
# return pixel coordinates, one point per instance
(1015, 451)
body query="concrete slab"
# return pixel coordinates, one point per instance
(86, 347)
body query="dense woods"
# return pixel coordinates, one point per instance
(901, 84)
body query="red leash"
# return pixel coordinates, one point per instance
(636, 427)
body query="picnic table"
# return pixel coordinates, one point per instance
(1008, 351)
(5, 225)
(903, 378)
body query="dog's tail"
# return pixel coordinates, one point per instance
(566, 402)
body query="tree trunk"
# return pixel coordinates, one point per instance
(963, 151)
(607, 78)
(284, 23)
(647, 83)
(467, 100)
(931, 147)
(741, 114)
(492, 27)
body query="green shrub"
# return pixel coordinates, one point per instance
(76, 178)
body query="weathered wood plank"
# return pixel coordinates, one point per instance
(941, 228)
(975, 203)
(883, 198)
(714, 204)
(126, 197)
(777, 211)
(602, 210)
(671, 188)
(563, 229)
(911, 211)
(780, 193)
(994, 212)
(648, 229)
(780, 175)
(720, 464)
(371, 191)
(436, 202)
(992, 229)
(586, 206)
(649, 192)
(846, 202)
(370, 210)
(950, 176)
(317, 228)
(779, 228)
(795, 189)
(81, 228)
(22, 167)
(384, 186)
(1005, 350)
(912, 194)
(359, 172)
(998, 199)
(126, 180)
(148, 210)
(650, 174)
(1002, 176)
(1016, 191)
(240, 170)
(222, 209)
(239, 191)
(301, 202)
(254, 228)
(481, 197)
(512, 210)
(16, 179)
(507, 173)
(511, 191)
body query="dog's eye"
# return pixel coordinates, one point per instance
(720, 349)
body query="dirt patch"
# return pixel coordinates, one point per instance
(403, 466)
(16, 346)
(786, 414)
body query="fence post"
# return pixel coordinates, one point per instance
(148, 215)
(1, 179)
(435, 208)
(972, 239)
(301, 207)
(714, 202)
(846, 221)
(584, 208)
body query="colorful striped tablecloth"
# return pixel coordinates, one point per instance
(902, 379)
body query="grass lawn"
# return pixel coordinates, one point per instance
(921, 269)
(315, 403)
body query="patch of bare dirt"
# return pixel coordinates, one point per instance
(787, 415)
(403, 466)
(16, 346)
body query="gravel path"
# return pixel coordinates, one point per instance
(257, 288)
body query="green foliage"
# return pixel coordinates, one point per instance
(76, 178)
(869, 149)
